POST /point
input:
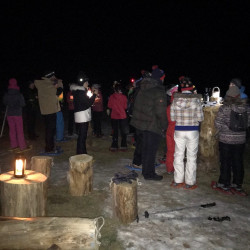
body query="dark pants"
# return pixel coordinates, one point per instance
(97, 122)
(150, 146)
(31, 122)
(71, 122)
(231, 159)
(82, 137)
(137, 160)
(50, 131)
(116, 125)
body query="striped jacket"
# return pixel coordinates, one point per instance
(186, 111)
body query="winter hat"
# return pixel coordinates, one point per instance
(49, 73)
(233, 91)
(236, 82)
(82, 78)
(158, 74)
(96, 86)
(13, 84)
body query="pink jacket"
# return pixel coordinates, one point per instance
(118, 104)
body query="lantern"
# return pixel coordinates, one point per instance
(215, 94)
(20, 166)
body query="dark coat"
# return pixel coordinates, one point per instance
(15, 102)
(150, 107)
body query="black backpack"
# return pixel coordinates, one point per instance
(238, 121)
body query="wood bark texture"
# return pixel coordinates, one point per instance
(42, 164)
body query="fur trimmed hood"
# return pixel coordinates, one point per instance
(74, 87)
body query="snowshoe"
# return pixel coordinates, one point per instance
(190, 187)
(177, 185)
(221, 188)
(236, 189)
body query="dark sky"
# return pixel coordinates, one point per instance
(206, 40)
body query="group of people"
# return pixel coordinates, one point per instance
(175, 113)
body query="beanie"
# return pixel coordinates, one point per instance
(233, 92)
(158, 74)
(236, 82)
(13, 84)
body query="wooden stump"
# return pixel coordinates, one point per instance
(124, 198)
(80, 175)
(45, 232)
(23, 197)
(42, 164)
(208, 157)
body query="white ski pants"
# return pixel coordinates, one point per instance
(185, 140)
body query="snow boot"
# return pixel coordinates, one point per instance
(221, 187)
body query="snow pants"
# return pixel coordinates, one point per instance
(59, 126)
(16, 132)
(185, 140)
(170, 147)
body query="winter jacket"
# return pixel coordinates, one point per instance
(186, 110)
(70, 101)
(118, 105)
(82, 103)
(48, 100)
(98, 103)
(14, 100)
(149, 113)
(222, 120)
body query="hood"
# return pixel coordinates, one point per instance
(74, 87)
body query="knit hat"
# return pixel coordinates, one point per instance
(158, 74)
(236, 82)
(13, 84)
(233, 91)
(96, 86)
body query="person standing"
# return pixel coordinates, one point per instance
(186, 111)
(237, 82)
(14, 102)
(118, 105)
(231, 143)
(32, 109)
(49, 106)
(97, 110)
(83, 100)
(149, 116)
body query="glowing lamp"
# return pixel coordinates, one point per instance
(71, 97)
(20, 166)
(132, 80)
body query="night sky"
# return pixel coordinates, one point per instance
(206, 40)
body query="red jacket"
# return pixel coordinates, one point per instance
(118, 104)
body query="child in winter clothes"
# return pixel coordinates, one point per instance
(186, 111)
(14, 101)
(118, 105)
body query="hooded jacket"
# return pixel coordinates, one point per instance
(222, 120)
(82, 103)
(186, 111)
(149, 113)
(48, 100)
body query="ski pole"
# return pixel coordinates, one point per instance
(4, 121)
(146, 213)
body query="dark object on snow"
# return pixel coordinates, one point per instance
(219, 219)
(146, 213)
(120, 177)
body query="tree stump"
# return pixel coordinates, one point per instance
(124, 199)
(23, 197)
(50, 233)
(80, 175)
(42, 164)
(208, 143)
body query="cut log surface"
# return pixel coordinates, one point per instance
(43, 232)
(124, 197)
(42, 164)
(80, 175)
(23, 197)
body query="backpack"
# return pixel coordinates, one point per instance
(238, 121)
